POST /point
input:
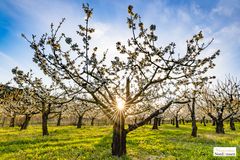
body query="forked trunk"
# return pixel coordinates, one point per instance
(232, 125)
(92, 121)
(79, 123)
(119, 137)
(155, 123)
(26, 122)
(44, 124)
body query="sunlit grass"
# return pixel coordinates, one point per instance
(68, 142)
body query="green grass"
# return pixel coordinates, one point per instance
(68, 142)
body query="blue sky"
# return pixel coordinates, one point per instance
(176, 20)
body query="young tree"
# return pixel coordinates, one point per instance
(225, 100)
(79, 108)
(16, 102)
(61, 111)
(9, 98)
(193, 91)
(175, 112)
(93, 114)
(49, 98)
(119, 86)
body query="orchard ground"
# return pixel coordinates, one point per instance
(68, 142)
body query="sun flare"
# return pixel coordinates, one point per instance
(120, 103)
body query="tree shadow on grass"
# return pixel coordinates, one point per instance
(102, 150)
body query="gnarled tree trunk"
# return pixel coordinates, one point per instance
(219, 122)
(26, 122)
(219, 127)
(119, 136)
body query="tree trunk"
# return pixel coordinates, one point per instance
(92, 121)
(44, 124)
(3, 121)
(163, 121)
(194, 127)
(155, 123)
(213, 122)
(173, 121)
(177, 123)
(219, 127)
(193, 116)
(79, 123)
(183, 121)
(12, 121)
(59, 119)
(232, 125)
(119, 137)
(159, 121)
(204, 121)
(26, 122)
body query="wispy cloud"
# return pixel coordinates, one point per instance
(175, 22)
(6, 64)
(227, 8)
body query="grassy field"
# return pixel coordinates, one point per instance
(68, 142)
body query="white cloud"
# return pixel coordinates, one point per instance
(226, 7)
(6, 65)
(227, 40)
(173, 24)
